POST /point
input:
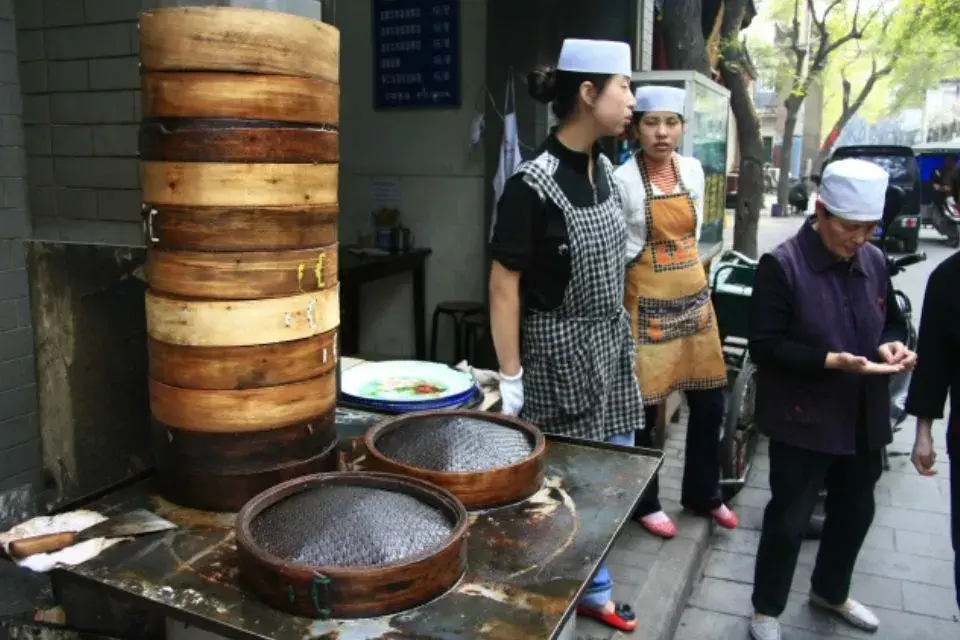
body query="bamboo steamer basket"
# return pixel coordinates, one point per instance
(239, 149)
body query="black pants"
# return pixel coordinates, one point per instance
(796, 477)
(701, 464)
(955, 519)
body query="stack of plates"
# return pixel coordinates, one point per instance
(401, 386)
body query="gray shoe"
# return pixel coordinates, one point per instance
(851, 612)
(764, 628)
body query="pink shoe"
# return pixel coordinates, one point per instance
(659, 524)
(724, 517)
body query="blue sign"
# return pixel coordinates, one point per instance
(417, 53)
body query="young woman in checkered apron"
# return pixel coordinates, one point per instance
(667, 296)
(558, 245)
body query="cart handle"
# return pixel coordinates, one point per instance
(733, 266)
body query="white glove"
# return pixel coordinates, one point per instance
(511, 393)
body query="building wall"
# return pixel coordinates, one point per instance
(19, 435)
(441, 181)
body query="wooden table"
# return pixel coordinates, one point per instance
(356, 270)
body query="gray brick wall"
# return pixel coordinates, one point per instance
(80, 85)
(20, 460)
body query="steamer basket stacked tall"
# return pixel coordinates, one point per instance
(239, 150)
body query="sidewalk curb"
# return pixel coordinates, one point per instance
(670, 582)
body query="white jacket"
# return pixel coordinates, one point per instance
(634, 198)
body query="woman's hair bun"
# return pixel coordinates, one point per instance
(542, 83)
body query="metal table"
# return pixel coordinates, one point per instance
(527, 563)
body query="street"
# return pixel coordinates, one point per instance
(905, 571)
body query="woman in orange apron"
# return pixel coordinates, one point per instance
(666, 293)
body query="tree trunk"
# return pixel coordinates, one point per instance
(683, 35)
(793, 105)
(750, 192)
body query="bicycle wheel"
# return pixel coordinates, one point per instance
(739, 433)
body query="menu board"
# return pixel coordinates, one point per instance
(416, 53)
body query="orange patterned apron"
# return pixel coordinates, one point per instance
(668, 298)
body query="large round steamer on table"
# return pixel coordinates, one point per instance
(350, 545)
(485, 459)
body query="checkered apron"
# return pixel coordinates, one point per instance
(578, 359)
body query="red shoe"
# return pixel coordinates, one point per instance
(724, 517)
(622, 617)
(659, 524)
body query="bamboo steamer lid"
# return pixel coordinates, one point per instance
(247, 367)
(240, 410)
(233, 140)
(240, 95)
(220, 184)
(236, 39)
(239, 228)
(242, 275)
(237, 323)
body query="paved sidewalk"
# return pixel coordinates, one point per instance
(904, 573)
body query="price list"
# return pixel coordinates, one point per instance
(417, 53)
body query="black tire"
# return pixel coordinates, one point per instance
(739, 435)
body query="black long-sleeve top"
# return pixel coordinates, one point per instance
(938, 351)
(771, 313)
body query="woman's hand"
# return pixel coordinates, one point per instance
(923, 456)
(897, 353)
(851, 363)
(511, 393)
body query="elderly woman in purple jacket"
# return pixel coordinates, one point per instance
(824, 336)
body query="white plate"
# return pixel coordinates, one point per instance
(404, 381)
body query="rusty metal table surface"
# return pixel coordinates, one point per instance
(527, 563)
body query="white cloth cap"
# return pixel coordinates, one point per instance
(854, 190)
(595, 56)
(658, 97)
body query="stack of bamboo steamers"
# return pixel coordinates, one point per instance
(239, 159)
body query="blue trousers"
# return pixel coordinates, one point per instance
(600, 590)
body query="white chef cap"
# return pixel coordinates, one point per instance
(854, 190)
(607, 57)
(658, 97)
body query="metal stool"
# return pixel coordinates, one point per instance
(458, 311)
(474, 328)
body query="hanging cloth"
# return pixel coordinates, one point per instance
(509, 146)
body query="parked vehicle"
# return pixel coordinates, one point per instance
(935, 210)
(900, 162)
(899, 383)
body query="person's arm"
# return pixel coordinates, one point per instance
(511, 247)
(930, 381)
(771, 311)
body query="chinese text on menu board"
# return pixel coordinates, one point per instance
(417, 56)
